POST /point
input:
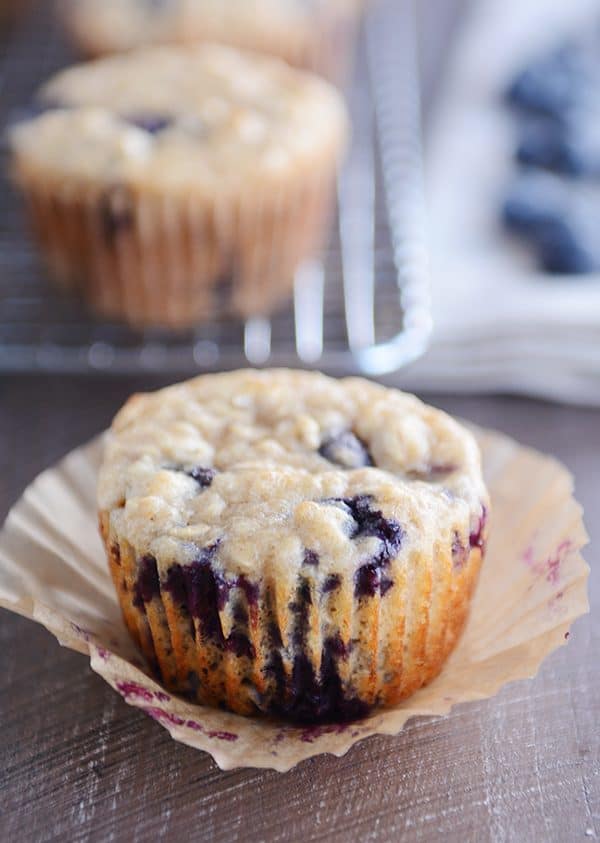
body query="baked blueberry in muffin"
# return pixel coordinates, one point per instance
(261, 570)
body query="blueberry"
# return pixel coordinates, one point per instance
(572, 148)
(300, 607)
(367, 580)
(331, 583)
(203, 476)
(546, 145)
(347, 450)
(239, 644)
(147, 585)
(553, 84)
(311, 557)
(334, 647)
(198, 588)
(151, 123)
(371, 522)
(535, 200)
(275, 635)
(565, 249)
(370, 578)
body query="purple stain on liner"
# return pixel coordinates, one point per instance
(477, 538)
(133, 690)
(313, 733)
(164, 716)
(220, 735)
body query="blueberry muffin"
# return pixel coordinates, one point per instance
(289, 544)
(176, 183)
(313, 34)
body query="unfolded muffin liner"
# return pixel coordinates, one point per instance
(176, 260)
(533, 585)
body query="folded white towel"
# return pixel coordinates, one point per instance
(499, 324)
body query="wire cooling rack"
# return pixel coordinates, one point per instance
(363, 308)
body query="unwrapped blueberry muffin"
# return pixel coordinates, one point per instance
(314, 34)
(289, 544)
(176, 183)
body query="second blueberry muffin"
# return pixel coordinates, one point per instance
(289, 544)
(172, 184)
(316, 35)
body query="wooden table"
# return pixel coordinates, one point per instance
(76, 763)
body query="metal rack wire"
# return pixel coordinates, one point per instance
(363, 308)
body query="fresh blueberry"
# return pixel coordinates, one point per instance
(554, 83)
(565, 248)
(572, 148)
(534, 200)
(347, 450)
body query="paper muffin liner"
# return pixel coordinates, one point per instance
(533, 585)
(310, 648)
(175, 260)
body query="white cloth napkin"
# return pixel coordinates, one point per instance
(499, 323)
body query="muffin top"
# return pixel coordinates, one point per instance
(208, 117)
(277, 469)
(123, 24)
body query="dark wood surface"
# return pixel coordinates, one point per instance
(76, 763)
